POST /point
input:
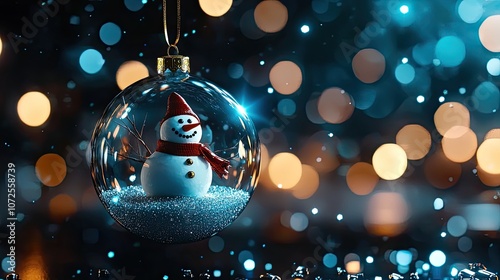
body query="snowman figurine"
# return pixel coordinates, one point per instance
(181, 165)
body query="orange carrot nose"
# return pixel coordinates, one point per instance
(188, 127)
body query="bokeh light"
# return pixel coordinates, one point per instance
(490, 180)
(441, 172)
(488, 196)
(459, 143)
(1, 46)
(89, 8)
(389, 161)
(426, 267)
(488, 156)
(271, 16)
(329, 260)
(405, 73)
(285, 76)
(130, 72)
(248, 26)
(361, 178)
(287, 107)
(308, 183)
(312, 111)
(438, 204)
(348, 148)
(299, 221)
(235, 70)
(368, 65)
(244, 255)
(110, 33)
(352, 263)
(386, 214)
(33, 108)
(326, 11)
(403, 269)
(91, 61)
(464, 244)
(404, 257)
(51, 169)
(493, 67)
(423, 53)
(62, 206)
(216, 244)
(415, 140)
(28, 184)
(33, 265)
(215, 8)
(320, 152)
(482, 217)
(134, 5)
(71, 85)
(404, 9)
(285, 218)
(364, 98)
(437, 258)
(488, 33)
(353, 267)
(249, 265)
(5, 264)
(335, 105)
(456, 226)
(486, 98)
(268, 266)
(470, 11)
(493, 133)
(450, 50)
(451, 114)
(285, 170)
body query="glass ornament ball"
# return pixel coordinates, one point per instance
(150, 170)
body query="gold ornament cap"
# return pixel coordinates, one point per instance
(173, 63)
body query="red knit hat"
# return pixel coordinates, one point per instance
(176, 106)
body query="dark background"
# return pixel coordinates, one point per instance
(74, 248)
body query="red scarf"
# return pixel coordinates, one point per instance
(219, 165)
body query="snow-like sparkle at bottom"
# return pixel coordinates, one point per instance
(175, 219)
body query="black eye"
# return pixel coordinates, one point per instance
(190, 121)
(180, 121)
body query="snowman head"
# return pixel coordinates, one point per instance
(180, 124)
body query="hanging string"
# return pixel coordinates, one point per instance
(165, 29)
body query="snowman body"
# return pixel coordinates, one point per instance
(165, 174)
(169, 175)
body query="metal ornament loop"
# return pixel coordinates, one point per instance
(170, 47)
